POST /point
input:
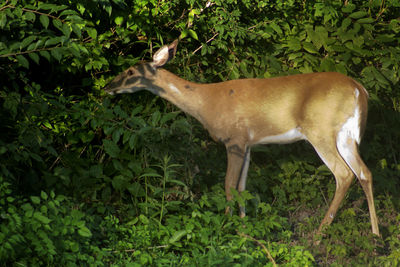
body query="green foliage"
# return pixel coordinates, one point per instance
(44, 230)
(86, 179)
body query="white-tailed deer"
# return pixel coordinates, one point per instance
(329, 110)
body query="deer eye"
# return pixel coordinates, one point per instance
(130, 72)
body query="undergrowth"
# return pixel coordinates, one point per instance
(92, 180)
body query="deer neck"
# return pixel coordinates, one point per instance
(184, 94)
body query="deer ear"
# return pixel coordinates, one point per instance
(164, 54)
(161, 57)
(172, 49)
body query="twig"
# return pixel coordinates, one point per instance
(215, 35)
(5, 6)
(323, 195)
(261, 245)
(133, 250)
(209, 40)
(55, 162)
(162, 246)
(33, 11)
(29, 51)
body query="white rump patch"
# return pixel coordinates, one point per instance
(351, 128)
(174, 89)
(350, 131)
(288, 137)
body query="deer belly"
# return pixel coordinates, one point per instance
(288, 137)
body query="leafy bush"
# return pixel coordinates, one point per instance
(86, 179)
(44, 230)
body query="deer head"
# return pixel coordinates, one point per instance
(142, 76)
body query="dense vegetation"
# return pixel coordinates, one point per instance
(86, 179)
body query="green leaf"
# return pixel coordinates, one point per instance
(177, 236)
(108, 8)
(66, 29)
(136, 189)
(58, 24)
(74, 49)
(74, 246)
(35, 200)
(45, 54)
(34, 57)
(150, 174)
(327, 64)
(348, 8)
(81, 8)
(132, 141)
(184, 33)
(47, 6)
(84, 231)
(366, 20)
(143, 219)
(385, 38)
(52, 41)
(111, 148)
(36, 157)
(119, 182)
(44, 20)
(276, 27)
(56, 53)
(135, 166)
(92, 32)
(30, 16)
(189, 32)
(23, 61)
(155, 118)
(193, 34)
(3, 20)
(294, 44)
(11, 103)
(39, 44)
(309, 47)
(76, 30)
(119, 20)
(168, 117)
(116, 135)
(177, 182)
(41, 218)
(43, 195)
(191, 15)
(358, 14)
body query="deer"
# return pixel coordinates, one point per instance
(326, 109)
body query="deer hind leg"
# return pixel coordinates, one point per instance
(236, 173)
(329, 154)
(349, 150)
(243, 178)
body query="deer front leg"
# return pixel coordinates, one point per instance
(236, 173)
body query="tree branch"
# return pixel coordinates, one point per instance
(33, 11)
(209, 40)
(28, 52)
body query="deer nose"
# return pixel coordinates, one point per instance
(108, 90)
